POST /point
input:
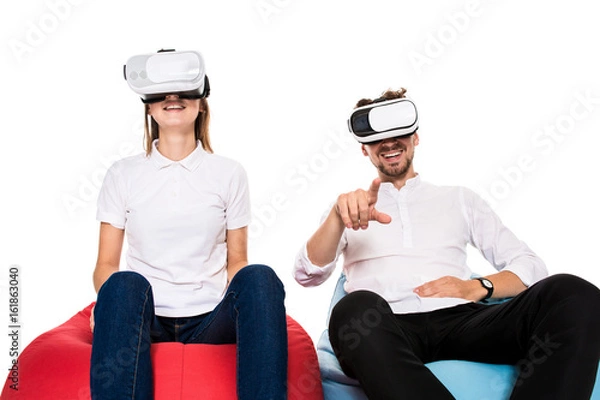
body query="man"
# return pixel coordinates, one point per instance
(412, 299)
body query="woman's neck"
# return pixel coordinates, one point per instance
(176, 147)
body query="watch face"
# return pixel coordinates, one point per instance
(487, 283)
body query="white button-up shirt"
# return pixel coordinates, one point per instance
(426, 240)
(175, 215)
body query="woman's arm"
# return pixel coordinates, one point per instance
(109, 256)
(109, 253)
(237, 251)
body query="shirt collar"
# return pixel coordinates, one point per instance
(191, 162)
(409, 185)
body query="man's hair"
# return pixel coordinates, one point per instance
(387, 95)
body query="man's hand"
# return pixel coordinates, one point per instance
(450, 286)
(357, 208)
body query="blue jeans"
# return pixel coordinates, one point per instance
(252, 315)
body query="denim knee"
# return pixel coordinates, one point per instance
(260, 278)
(121, 286)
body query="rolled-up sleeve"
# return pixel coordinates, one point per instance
(308, 274)
(498, 244)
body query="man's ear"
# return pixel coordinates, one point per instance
(416, 139)
(364, 150)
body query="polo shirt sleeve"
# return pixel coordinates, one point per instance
(111, 199)
(238, 200)
(498, 244)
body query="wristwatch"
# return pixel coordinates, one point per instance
(488, 285)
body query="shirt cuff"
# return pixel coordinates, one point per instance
(308, 274)
(112, 219)
(529, 274)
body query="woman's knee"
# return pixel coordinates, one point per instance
(261, 279)
(257, 272)
(123, 284)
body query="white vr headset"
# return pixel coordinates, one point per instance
(153, 76)
(384, 119)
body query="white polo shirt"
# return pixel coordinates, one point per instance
(175, 215)
(426, 240)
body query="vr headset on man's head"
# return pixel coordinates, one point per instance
(384, 119)
(154, 76)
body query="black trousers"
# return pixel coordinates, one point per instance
(551, 331)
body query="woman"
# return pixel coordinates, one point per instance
(185, 212)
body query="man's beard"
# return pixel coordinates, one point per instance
(398, 171)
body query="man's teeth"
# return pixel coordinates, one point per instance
(396, 154)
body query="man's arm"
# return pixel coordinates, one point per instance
(352, 210)
(322, 246)
(506, 284)
(518, 266)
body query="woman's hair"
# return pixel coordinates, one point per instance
(200, 128)
(387, 95)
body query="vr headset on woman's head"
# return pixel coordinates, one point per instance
(154, 76)
(384, 119)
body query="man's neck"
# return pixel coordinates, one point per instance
(399, 181)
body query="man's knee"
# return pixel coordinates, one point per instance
(356, 316)
(561, 287)
(571, 302)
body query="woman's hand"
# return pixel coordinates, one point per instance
(92, 324)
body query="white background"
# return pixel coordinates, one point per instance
(508, 94)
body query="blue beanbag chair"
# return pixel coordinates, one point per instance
(493, 381)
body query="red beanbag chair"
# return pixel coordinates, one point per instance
(56, 366)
